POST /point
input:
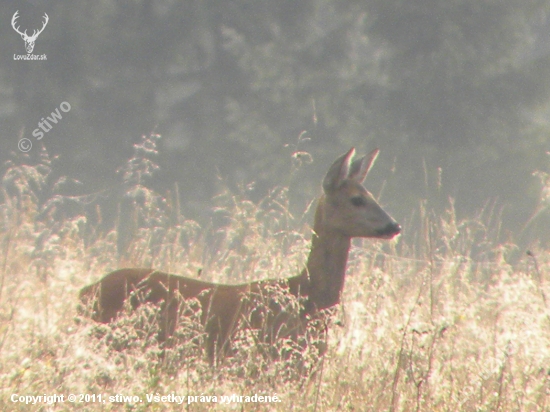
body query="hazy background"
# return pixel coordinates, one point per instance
(455, 93)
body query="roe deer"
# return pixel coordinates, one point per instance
(345, 210)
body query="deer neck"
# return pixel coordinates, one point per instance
(326, 265)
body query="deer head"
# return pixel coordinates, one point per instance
(347, 207)
(29, 40)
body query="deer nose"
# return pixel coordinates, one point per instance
(391, 229)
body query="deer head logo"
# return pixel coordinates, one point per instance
(29, 40)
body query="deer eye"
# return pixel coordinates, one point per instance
(358, 201)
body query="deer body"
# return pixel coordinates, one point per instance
(345, 210)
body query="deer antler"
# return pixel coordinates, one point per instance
(14, 18)
(36, 33)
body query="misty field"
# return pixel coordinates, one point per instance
(443, 324)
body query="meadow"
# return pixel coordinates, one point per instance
(444, 323)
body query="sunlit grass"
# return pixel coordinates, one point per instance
(444, 324)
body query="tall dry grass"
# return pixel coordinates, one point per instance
(442, 324)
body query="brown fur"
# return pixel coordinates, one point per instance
(339, 217)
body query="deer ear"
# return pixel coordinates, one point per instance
(360, 168)
(338, 171)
